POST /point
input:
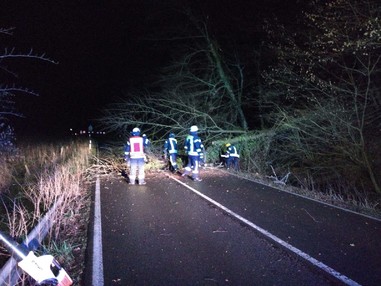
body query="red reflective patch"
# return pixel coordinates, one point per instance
(136, 147)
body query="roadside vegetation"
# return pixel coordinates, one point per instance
(34, 179)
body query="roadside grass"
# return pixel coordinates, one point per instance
(5, 173)
(46, 175)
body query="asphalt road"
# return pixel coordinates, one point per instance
(163, 233)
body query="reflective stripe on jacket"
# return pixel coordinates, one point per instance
(170, 146)
(193, 145)
(232, 150)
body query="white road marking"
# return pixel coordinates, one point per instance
(291, 248)
(97, 275)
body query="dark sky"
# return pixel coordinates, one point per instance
(104, 48)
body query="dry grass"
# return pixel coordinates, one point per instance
(5, 174)
(46, 175)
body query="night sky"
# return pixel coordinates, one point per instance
(104, 50)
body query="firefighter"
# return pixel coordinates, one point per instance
(232, 157)
(170, 152)
(147, 147)
(134, 155)
(193, 148)
(146, 142)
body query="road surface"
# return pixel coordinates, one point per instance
(171, 232)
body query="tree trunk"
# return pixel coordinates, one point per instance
(228, 86)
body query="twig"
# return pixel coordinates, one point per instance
(311, 216)
(282, 181)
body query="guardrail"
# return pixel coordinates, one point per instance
(10, 273)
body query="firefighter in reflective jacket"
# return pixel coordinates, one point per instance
(193, 148)
(170, 152)
(232, 159)
(134, 156)
(147, 147)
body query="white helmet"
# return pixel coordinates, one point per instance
(135, 131)
(193, 128)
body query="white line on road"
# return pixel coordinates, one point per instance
(291, 248)
(97, 275)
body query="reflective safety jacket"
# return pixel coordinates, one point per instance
(232, 151)
(146, 141)
(193, 145)
(170, 146)
(135, 148)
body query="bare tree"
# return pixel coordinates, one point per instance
(325, 89)
(202, 73)
(8, 91)
(157, 114)
(198, 87)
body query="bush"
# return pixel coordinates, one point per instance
(252, 147)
